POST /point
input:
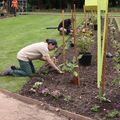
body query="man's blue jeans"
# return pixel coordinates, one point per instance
(26, 69)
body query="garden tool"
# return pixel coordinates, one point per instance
(52, 28)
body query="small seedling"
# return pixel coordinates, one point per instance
(70, 67)
(116, 57)
(67, 98)
(56, 94)
(37, 85)
(116, 81)
(46, 72)
(113, 114)
(95, 108)
(103, 98)
(45, 91)
(33, 90)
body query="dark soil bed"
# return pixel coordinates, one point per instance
(79, 99)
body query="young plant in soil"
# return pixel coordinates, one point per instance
(36, 86)
(70, 67)
(45, 72)
(103, 98)
(67, 98)
(95, 108)
(56, 94)
(114, 113)
(84, 42)
(116, 58)
(45, 91)
(116, 81)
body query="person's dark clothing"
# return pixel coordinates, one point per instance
(67, 25)
(14, 11)
(26, 69)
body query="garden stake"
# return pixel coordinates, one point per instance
(74, 35)
(93, 19)
(101, 47)
(63, 52)
(72, 22)
(104, 62)
(75, 48)
(85, 19)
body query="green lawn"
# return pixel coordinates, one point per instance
(17, 32)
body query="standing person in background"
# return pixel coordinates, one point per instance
(14, 6)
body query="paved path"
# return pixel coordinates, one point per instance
(13, 109)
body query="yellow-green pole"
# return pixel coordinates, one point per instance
(105, 24)
(99, 44)
(104, 44)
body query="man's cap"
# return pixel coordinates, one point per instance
(53, 41)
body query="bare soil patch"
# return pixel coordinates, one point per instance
(79, 99)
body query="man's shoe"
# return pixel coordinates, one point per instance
(8, 72)
(13, 67)
(2, 74)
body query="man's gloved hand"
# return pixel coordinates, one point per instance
(55, 60)
(61, 72)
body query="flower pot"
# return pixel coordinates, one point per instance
(71, 44)
(95, 26)
(86, 59)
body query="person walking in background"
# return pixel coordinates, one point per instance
(14, 6)
(33, 52)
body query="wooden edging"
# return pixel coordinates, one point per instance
(46, 106)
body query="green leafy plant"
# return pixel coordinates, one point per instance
(103, 98)
(116, 57)
(116, 81)
(95, 108)
(113, 114)
(56, 94)
(45, 91)
(37, 85)
(33, 90)
(84, 42)
(45, 72)
(70, 67)
(67, 98)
